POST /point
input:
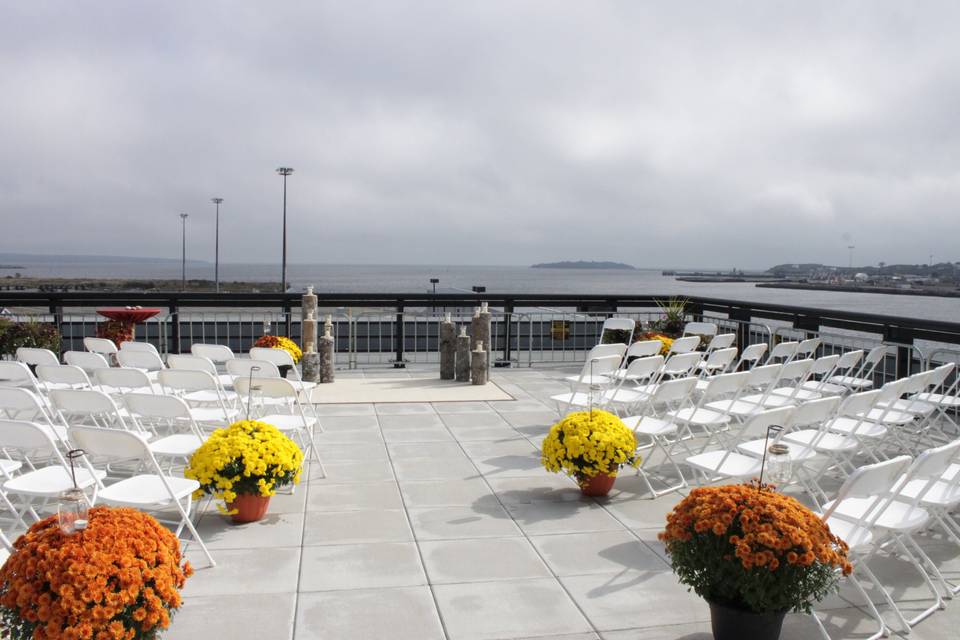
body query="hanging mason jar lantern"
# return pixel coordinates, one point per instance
(779, 465)
(72, 504)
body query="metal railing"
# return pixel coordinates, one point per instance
(396, 329)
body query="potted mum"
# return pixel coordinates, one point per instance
(243, 465)
(754, 555)
(591, 446)
(118, 578)
(280, 342)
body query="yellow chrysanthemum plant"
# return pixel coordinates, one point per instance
(587, 444)
(280, 342)
(247, 458)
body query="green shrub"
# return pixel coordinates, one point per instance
(40, 335)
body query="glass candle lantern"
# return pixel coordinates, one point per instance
(779, 465)
(72, 511)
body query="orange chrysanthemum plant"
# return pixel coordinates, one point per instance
(120, 578)
(280, 342)
(751, 548)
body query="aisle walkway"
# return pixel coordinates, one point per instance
(437, 521)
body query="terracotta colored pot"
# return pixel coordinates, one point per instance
(597, 486)
(250, 507)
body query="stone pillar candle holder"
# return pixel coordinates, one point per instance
(311, 366)
(448, 349)
(308, 311)
(481, 328)
(463, 356)
(478, 365)
(326, 357)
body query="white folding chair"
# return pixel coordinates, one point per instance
(641, 371)
(762, 378)
(941, 394)
(585, 379)
(168, 415)
(639, 349)
(294, 420)
(199, 363)
(809, 389)
(87, 360)
(594, 378)
(282, 358)
(655, 424)
(102, 346)
(751, 356)
(62, 376)
(17, 374)
(863, 378)
(131, 345)
(783, 392)
(216, 353)
(725, 386)
(31, 443)
(782, 353)
(845, 364)
(32, 356)
(717, 362)
(138, 359)
(121, 380)
(730, 463)
(684, 345)
(808, 348)
(705, 329)
(721, 341)
(154, 491)
(682, 365)
(93, 408)
(203, 393)
(17, 403)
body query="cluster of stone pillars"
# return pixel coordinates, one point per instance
(466, 358)
(317, 352)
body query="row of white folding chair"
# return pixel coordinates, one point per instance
(153, 490)
(945, 396)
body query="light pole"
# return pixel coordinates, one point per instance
(183, 253)
(434, 282)
(284, 171)
(216, 246)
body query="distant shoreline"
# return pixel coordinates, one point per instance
(890, 291)
(584, 264)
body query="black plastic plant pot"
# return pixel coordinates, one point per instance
(735, 624)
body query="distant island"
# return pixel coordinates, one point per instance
(583, 264)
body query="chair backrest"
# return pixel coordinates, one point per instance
(893, 390)
(783, 351)
(644, 348)
(103, 346)
(753, 354)
(191, 363)
(870, 362)
(764, 375)
(89, 361)
(131, 345)
(186, 380)
(795, 370)
(122, 378)
(859, 403)
(83, 402)
(216, 353)
(721, 341)
(598, 366)
(808, 348)
(16, 374)
(685, 344)
(268, 388)
(722, 357)
(109, 443)
(279, 357)
(683, 364)
(825, 365)
(673, 391)
(35, 356)
(63, 374)
(931, 464)
(599, 351)
(849, 360)
(27, 437)
(700, 329)
(758, 422)
(872, 480)
(644, 368)
(815, 412)
(241, 368)
(725, 384)
(140, 360)
(619, 324)
(939, 375)
(150, 405)
(20, 403)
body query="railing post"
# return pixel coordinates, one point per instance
(398, 339)
(696, 311)
(174, 344)
(57, 312)
(507, 320)
(743, 317)
(288, 319)
(904, 339)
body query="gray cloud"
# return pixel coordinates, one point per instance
(700, 134)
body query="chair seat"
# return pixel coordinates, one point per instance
(303, 385)
(796, 453)
(855, 536)
(212, 414)
(799, 394)
(940, 399)
(890, 416)
(740, 408)
(851, 383)
(825, 442)
(51, 481)
(288, 422)
(824, 388)
(178, 445)
(10, 466)
(701, 415)
(897, 516)
(624, 396)
(650, 426)
(940, 494)
(621, 374)
(850, 426)
(147, 489)
(911, 406)
(209, 396)
(736, 465)
(772, 401)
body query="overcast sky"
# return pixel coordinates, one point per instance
(656, 133)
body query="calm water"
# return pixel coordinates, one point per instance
(416, 279)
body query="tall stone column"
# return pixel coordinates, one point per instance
(448, 349)
(463, 356)
(326, 357)
(308, 310)
(480, 327)
(478, 365)
(311, 366)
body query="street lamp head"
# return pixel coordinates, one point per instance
(183, 216)
(216, 200)
(434, 280)
(284, 171)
